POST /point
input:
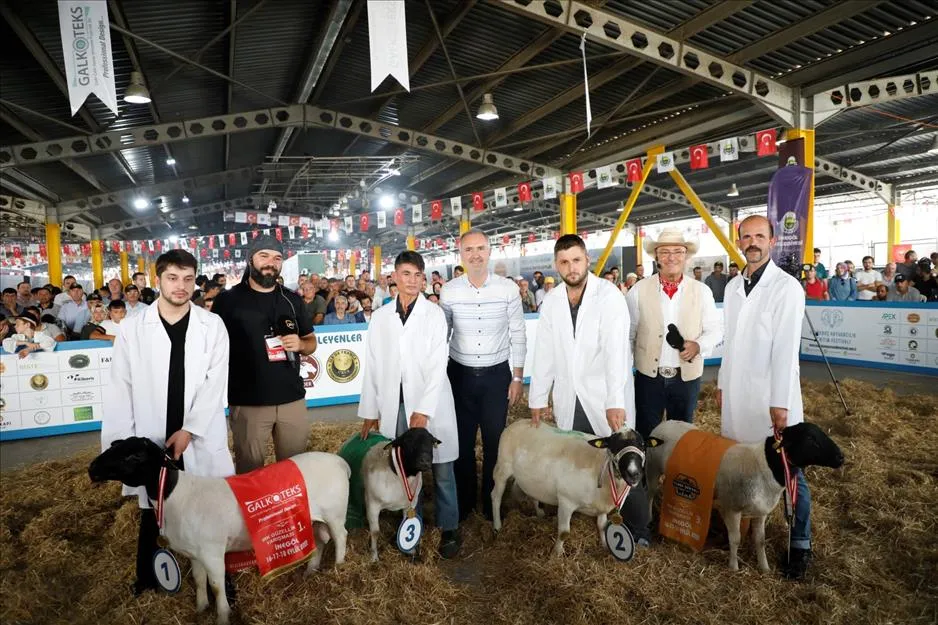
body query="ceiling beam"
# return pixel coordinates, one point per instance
(232, 20)
(713, 14)
(868, 92)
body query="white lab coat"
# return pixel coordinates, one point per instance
(762, 340)
(135, 401)
(414, 355)
(595, 365)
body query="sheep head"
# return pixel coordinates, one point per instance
(416, 446)
(131, 461)
(808, 445)
(627, 449)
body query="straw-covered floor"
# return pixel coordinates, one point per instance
(68, 551)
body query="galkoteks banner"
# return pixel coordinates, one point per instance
(86, 48)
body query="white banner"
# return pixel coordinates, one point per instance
(501, 197)
(241, 217)
(244, 238)
(387, 42)
(729, 149)
(604, 177)
(382, 219)
(551, 185)
(586, 87)
(455, 204)
(221, 240)
(318, 227)
(665, 162)
(417, 212)
(348, 225)
(263, 219)
(292, 231)
(86, 47)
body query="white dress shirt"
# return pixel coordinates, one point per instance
(670, 308)
(867, 277)
(487, 323)
(133, 311)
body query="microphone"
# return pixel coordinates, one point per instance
(674, 338)
(287, 325)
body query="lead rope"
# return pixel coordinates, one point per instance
(159, 499)
(791, 489)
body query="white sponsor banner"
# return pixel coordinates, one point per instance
(86, 48)
(387, 42)
(455, 205)
(551, 185)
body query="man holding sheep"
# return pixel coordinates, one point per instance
(759, 385)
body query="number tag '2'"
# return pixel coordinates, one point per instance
(620, 542)
(408, 534)
(167, 571)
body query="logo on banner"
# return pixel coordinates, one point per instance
(887, 329)
(42, 417)
(913, 318)
(888, 355)
(343, 366)
(79, 361)
(686, 487)
(309, 370)
(832, 318)
(39, 382)
(913, 345)
(83, 413)
(790, 222)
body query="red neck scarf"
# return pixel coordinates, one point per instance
(670, 288)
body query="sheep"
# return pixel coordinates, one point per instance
(202, 518)
(383, 487)
(751, 477)
(566, 469)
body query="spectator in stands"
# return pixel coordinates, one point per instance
(908, 268)
(868, 279)
(733, 271)
(221, 280)
(366, 310)
(381, 291)
(882, 293)
(75, 312)
(139, 279)
(934, 260)
(212, 289)
(11, 307)
(608, 275)
(313, 302)
(354, 303)
(63, 297)
(147, 295)
(437, 287)
(47, 327)
(542, 292)
(698, 274)
(435, 277)
(615, 275)
(107, 330)
(349, 282)
(26, 339)
(45, 302)
(104, 292)
(814, 287)
(717, 282)
(335, 287)
(528, 304)
(115, 290)
(822, 273)
(925, 282)
(24, 295)
(842, 286)
(132, 301)
(458, 270)
(392, 292)
(433, 297)
(851, 268)
(5, 327)
(630, 280)
(903, 291)
(640, 271)
(889, 274)
(208, 303)
(340, 315)
(539, 281)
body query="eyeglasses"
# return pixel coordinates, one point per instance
(676, 253)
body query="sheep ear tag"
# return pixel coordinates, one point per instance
(409, 531)
(620, 542)
(167, 571)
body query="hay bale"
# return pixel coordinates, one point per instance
(67, 550)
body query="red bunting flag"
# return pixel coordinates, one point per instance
(699, 158)
(294, 220)
(524, 192)
(278, 232)
(159, 245)
(128, 246)
(439, 243)
(85, 250)
(478, 201)
(232, 239)
(211, 243)
(252, 218)
(116, 246)
(398, 216)
(576, 181)
(42, 250)
(445, 245)
(204, 253)
(18, 252)
(506, 239)
(227, 253)
(532, 238)
(436, 210)
(304, 231)
(341, 256)
(634, 170)
(765, 139)
(556, 235)
(358, 256)
(583, 235)
(254, 234)
(363, 222)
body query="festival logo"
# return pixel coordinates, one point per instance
(39, 382)
(832, 318)
(790, 222)
(79, 361)
(343, 365)
(686, 487)
(309, 370)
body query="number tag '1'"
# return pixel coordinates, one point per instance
(408, 534)
(167, 571)
(620, 542)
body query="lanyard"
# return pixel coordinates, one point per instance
(410, 493)
(617, 496)
(791, 485)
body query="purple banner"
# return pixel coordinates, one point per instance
(788, 212)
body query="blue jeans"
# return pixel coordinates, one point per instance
(801, 526)
(657, 395)
(444, 485)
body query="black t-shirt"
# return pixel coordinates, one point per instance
(176, 382)
(249, 317)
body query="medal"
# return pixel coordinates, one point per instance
(162, 542)
(411, 513)
(616, 518)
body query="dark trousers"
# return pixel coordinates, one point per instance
(635, 507)
(657, 395)
(481, 398)
(146, 547)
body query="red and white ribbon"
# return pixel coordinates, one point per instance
(159, 498)
(791, 484)
(411, 493)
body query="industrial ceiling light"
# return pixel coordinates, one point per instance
(333, 235)
(733, 192)
(193, 227)
(934, 147)
(136, 92)
(487, 110)
(185, 199)
(164, 208)
(170, 161)
(140, 203)
(386, 201)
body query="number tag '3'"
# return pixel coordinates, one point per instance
(408, 534)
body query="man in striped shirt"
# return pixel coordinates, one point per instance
(486, 362)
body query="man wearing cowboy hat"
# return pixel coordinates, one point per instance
(668, 379)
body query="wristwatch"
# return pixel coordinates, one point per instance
(517, 379)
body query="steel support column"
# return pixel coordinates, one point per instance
(54, 247)
(893, 237)
(151, 270)
(465, 222)
(809, 161)
(97, 259)
(125, 267)
(686, 189)
(568, 213)
(411, 240)
(375, 262)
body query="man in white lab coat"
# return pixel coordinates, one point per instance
(169, 374)
(582, 356)
(406, 386)
(759, 385)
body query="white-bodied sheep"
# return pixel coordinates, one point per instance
(750, 479)
(566, 469)
(202, 518)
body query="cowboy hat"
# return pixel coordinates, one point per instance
(671, 236)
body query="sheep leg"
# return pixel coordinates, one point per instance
(201, 579)
(340, 534)
(601, 526)
(565, 511)
(501, 475)
(215, 567)
(372, 510)
(758, 537)
(653, 484)
(322, 539)
(538, 510)
(732, 520)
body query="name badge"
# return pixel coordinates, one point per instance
(275, 350)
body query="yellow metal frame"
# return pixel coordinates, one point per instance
(54, 253)
(808, 136)
(351, 263)
(893, 237)
(465, 223)
(686, 189)
(125, 268)
(375, 262)
(151, 266)
(97, 263)
(639, 242)
(568, 213)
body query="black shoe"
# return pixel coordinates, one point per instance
(231, 591)
(141, 586)
(795, 567)
(450, 542)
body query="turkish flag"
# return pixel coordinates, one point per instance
(436, 210)
(232, 239)
(532, 238)
(576, 181)
(583, 235)
(304, 231)
(193, 243)
(159, 245)
(204, 253)
(211, 243)
(227, 253)
(478, 201)
(278, 232)
(341, 256)
(398, 216)
(765, 140)
(254, 234)
(506, 239)
(115, 246)
(128, 246)
(363, 222)
(524, 192)
(358, 256)
(18, 252)
(634, 169)
(252, 218)
(294, 220)
(439, 242)
(699, 158)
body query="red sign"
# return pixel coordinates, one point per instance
(634, 170)
(275, 508)
(436, 210)
(232, 239)
(278, 232)
(532, 238)
(398, 216)
(765, 140)
(478, 201)
(304, 231)
(294, 220)
(898, 252)
(699, 158)
(363, 222)
(524, 192)
(576, 181)
(252, 218)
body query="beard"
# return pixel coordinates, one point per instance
(265, 280)
(575, 283)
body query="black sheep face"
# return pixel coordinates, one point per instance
(130, 461)
(631, 464)
(808, 445)
(416, 446)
